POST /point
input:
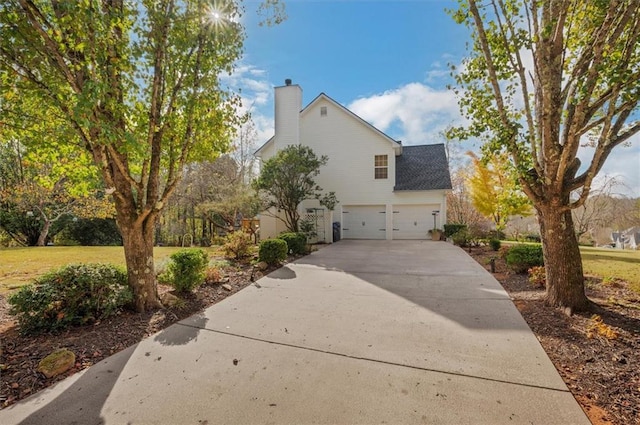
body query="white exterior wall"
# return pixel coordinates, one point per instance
(270, 226)
(350, 146)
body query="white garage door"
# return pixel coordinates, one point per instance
(413, 221)
(364, 222)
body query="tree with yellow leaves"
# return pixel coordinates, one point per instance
(495, 192)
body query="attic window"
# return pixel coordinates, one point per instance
(381, 164)
(323, 111)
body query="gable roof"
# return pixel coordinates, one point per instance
(397, 145)
(423, 167)
(264, 145)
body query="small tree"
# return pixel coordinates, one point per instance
(460, 208)
(495, 192)
(288, 178)
(47, 184)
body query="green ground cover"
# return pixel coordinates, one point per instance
(21, 265)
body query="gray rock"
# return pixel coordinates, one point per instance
(227, 287)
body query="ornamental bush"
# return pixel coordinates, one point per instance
(186, 269)
(452, 229)
(237, 245)
(272, 251)
(296, 242)
(523, 257)
(75, 294)
(495, 244)
(461, 238)
(537, 276)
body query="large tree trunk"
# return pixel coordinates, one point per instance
(137, 238)
(563, 263)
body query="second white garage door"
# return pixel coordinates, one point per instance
(364, 222)
(413, 221)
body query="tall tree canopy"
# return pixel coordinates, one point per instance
(138, 83)
(582, 88)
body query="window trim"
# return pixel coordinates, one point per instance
(380, 167)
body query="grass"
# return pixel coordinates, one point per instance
(612, 263)
(607, 263)
(19, 266)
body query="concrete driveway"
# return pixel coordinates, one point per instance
(360, 332)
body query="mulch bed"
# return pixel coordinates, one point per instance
(602, 371)
(20, 355)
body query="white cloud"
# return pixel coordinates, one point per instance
(255, 88)
(264, 128)
(623, 164)
(256, 93)
(417, 114)
(414, 113)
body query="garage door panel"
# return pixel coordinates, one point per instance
(413, 221)
(364, 222)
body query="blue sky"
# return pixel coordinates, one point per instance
(386, 60)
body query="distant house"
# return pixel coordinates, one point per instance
(627, 239)
(385, 190)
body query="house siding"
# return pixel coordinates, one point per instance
(350, 145)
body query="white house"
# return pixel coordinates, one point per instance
(627, 239)
(385, 190)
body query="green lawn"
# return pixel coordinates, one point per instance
(610, 263)
(613, 263)
(20, 265)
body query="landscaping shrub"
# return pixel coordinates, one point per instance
(522, 257)
(452, 229)
(76, 294)
(461, 238)
(90, 232)
(272, 251)
(296, 242)
(212, 275)
(495, 244)
(237, 245)
(186, 269)
(532, 238)
(538, 276)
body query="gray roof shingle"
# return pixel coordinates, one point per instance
(423, 167)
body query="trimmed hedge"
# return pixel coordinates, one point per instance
(73, 295)
(272, 251)
(523, 257)
(186, 269)
(296, 242)
(452, 229)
